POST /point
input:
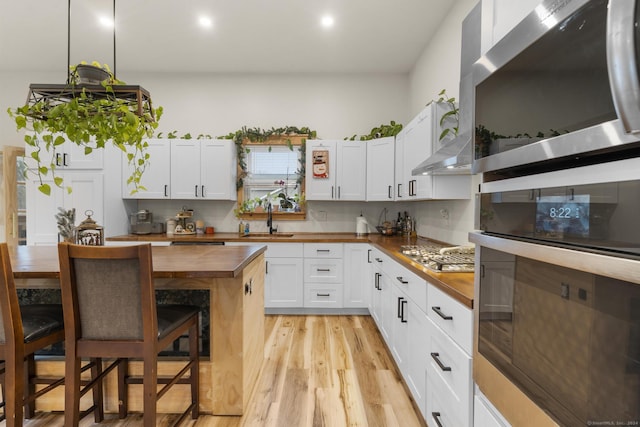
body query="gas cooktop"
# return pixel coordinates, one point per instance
(457, 259)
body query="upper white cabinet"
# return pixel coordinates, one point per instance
(336, 170)
(70, 156)
(203, 169)
(415, 143)
(500, 16)
(156, 178)
(381, 169)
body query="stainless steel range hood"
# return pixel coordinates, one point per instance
(455, 156)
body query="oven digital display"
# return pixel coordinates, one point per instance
(557, 216)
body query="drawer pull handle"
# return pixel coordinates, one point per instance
(399, 315)
(401, 280)
(404, 304)
(323, 250)
(436, 418)
(323, 269)
(323, 295)
(378, 259)
(376, 283)
(441, 314)
(436, 357)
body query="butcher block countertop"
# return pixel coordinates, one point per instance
(29, 262)
(457, 285)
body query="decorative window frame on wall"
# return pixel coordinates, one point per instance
(294, 142)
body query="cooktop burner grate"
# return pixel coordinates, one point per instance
(440, 258)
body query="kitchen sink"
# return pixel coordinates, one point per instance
(268, 235)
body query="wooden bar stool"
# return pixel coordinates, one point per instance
(23, 331)
(110, 311)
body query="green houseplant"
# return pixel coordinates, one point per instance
(87, 120)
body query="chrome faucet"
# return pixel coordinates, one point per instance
(270, 219)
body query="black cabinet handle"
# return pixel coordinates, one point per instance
(403, 305)
(323, 269)
(332, 191)
(436, 357)
(266, 267)
(378, 259)
(64, 159)
(57, 159)
(322, 295)
(401, 280)
(399, 192)
(390, 196)
(399, 315)
(196, 190)
(338, 191)
(166, 190)
(323, 250)
(369, 256)
(202, 190)
(436, 418)
(441, 314)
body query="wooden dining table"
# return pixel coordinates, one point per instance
(234, 278)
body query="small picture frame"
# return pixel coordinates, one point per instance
(320, 164)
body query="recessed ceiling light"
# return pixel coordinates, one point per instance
(106, 22)
(327, 21)
(205, 22)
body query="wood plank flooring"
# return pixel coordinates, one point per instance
(318, 371)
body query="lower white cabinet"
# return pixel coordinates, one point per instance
(284, 275)
(357, 273)
(323, 275)
(418, 358)
(485, 414)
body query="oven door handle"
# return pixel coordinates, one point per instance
(621, 63)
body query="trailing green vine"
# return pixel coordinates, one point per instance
(382, 131)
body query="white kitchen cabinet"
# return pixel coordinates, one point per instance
(418, 357)
(399, 177)
(449, 371)
(357, 274)
(336, 170)
(501, 16)
(71, 156)
(87, 194)
(156, 178)
(284, 276)
(381, 169)
(203, 169)
(419, 141)
(485, 414)
(400, 328)
(323, 275)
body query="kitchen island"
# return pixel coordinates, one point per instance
(234, 278)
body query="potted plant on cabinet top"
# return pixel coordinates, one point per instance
(88, 119)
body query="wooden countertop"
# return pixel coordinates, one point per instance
(457, 285)
(30, 262)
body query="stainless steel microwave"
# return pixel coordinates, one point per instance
(560, 90)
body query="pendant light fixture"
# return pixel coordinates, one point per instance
(134, 97)
(88, 113)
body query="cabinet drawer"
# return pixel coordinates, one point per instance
(323, 296)
(413, 285)
(323, 250)
(442, 407)
(284, 250)
(323, 270)
(452, 365)
(453, 318)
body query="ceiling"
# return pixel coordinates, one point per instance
(247, 36)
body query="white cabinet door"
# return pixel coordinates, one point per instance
(400, 328)
(417, 360)
(401, 189)
(418, 145)
(284, 283)
(357, 275)
(351, 178)
(321, 170)
(156, 178)
(185, 169)
(388, 306)
(87, 195)
(380, 169)
(218, 170)
(74, 157)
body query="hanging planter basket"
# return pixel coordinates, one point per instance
(90, 75)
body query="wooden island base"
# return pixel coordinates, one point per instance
(228, 376)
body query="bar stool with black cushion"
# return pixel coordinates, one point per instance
(110, 312)
(23, 331)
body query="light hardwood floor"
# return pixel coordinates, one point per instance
(318, 371)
